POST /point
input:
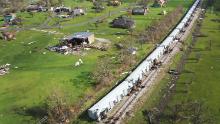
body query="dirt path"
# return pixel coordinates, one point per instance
(154, 77)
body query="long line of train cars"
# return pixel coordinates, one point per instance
(98, 111)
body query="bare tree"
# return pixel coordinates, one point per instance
(58, 108)
(103, 75)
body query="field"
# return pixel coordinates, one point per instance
(35, 72)
(203, 75)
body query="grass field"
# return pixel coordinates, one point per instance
(34, 75)
(204, 75)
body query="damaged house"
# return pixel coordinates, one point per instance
(9, 17)
(65, 12)
(139, 11)
(79, 39)
(36, 8)
(62, 9)
(123, 22)
(114, 3)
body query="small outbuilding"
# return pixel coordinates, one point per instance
(123, 22)
(79, 38)
(139, 11)
(78, 11)
(9, 17)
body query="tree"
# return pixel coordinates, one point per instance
(58, 108)
(103, 75)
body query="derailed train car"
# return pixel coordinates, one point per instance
(98, 111)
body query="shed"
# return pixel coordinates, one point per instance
(123, 22)
(9, 17)
(80, 38)
(139, 11)
(78, 11)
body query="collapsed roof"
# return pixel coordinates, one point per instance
(123, 22)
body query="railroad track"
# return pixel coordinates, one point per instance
(148, 82)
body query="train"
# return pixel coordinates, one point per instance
(100, 109)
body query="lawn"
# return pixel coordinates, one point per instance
(36, 72)
(204, 74)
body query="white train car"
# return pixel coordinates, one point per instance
(175, 34)
(99, 110)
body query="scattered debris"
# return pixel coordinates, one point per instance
(74, 44)
(63, 16)
(102, 48)
(50, 32)
(173, 72)
(31, 42)
(78, 63)
(102, 40)
(4, 69)
(132, 50)
(124, 73)
(119, 45)
(8, 35)
(4, 26)
(164, 12)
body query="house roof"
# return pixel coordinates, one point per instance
(33, 6)
(82, 35)
(123, 22)
(138, 10)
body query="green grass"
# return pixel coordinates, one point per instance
(38, 74)
(205, 85)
